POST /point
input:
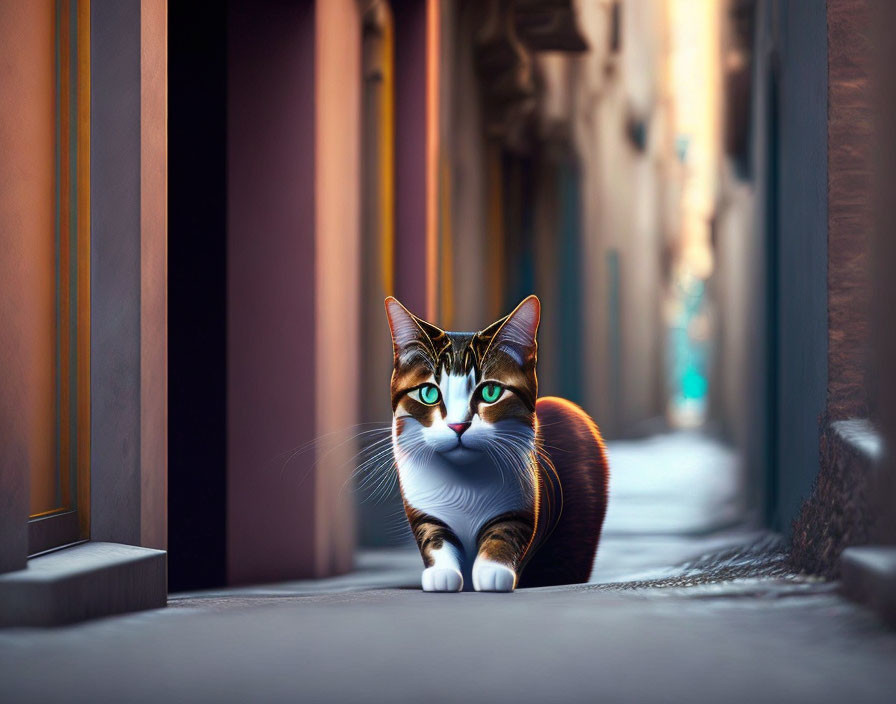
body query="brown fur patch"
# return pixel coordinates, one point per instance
(423, 414)
(505, 370)
(506, 538)
(510, 407)
(407, 378)
(430, 533)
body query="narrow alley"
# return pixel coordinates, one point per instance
(285, 286)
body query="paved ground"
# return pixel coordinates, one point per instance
(684, 605)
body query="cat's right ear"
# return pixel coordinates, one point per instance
(408, 334)
(405, 330)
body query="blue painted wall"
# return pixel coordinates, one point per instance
(800, 287)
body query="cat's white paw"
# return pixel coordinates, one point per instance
(442, 579)
(491, 576)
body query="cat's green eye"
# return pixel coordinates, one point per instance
(429, 394)
(491, 392)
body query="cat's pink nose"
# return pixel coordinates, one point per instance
(459, 428)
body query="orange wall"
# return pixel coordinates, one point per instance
(154, 273)
(337, 184)
(27, 320)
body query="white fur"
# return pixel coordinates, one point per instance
(463, 505)
(445, 573)
(491, 576)
(456, 392)
(459, 483)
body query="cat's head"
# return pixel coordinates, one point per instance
(459, 394)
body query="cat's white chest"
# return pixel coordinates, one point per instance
(464, 498)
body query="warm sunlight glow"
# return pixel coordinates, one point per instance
(694, 78)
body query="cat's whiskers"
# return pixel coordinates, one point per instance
(544, 460)
(525, 457)
(317, 443)
(503, 455)
(382, 464)
(377, 469)
(320, 439)
(376, 452)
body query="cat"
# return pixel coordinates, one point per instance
(501, 489)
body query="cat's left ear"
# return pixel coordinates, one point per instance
(411, 336)
(515, 335)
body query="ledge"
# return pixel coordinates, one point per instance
(869, 576)
(838, 514)
(83, 582)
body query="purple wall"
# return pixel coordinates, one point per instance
(270, 279)
(410, 154)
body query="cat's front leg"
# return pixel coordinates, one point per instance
(441, 551)
(444, 575)
(502, 547)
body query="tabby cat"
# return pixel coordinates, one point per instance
(502, 489)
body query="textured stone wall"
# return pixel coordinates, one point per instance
(838, 513)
